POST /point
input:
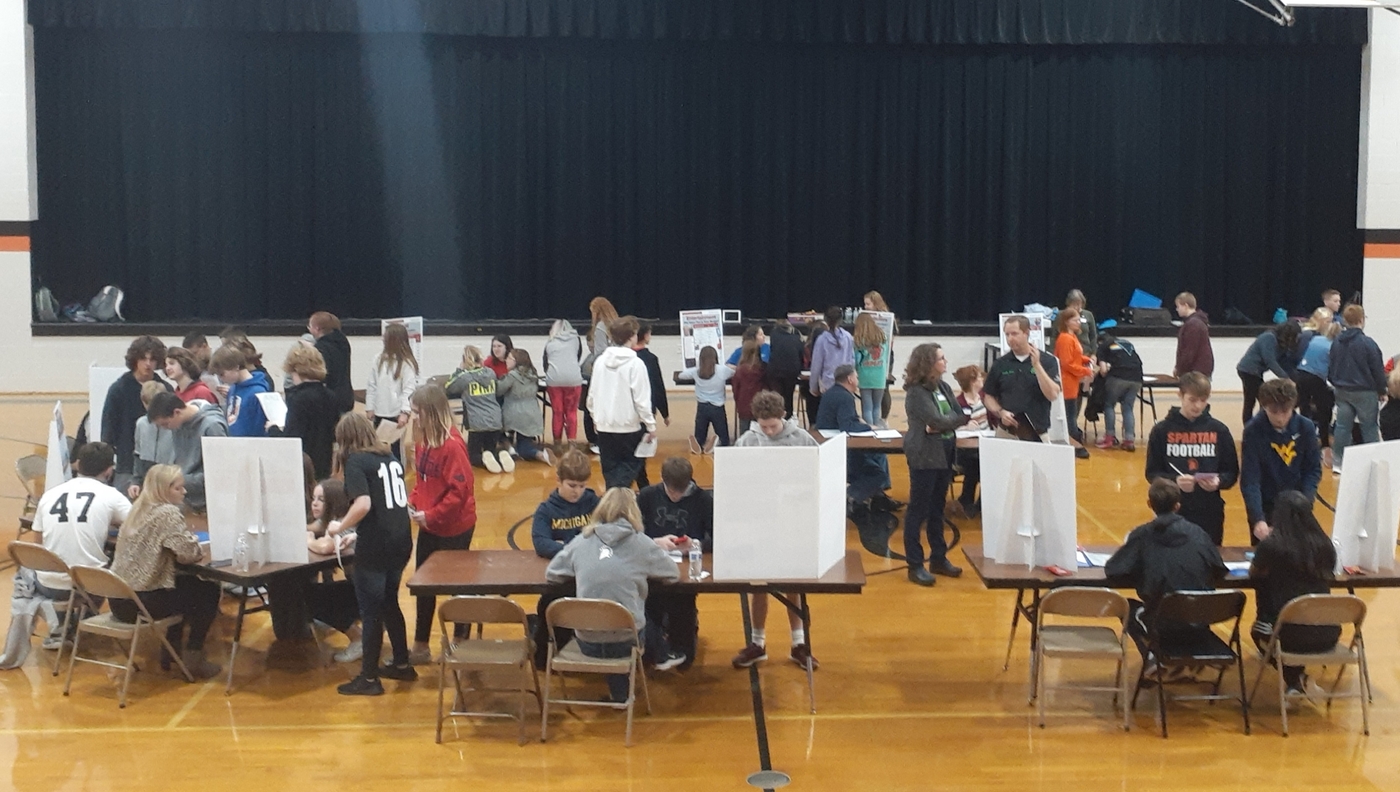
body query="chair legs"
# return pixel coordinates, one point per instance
(63, 629)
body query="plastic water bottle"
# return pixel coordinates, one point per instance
(696, 559)
(240, 553)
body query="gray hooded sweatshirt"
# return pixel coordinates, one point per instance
(614, 563)
(792, 435)
(562, 358)
(189, 447)
(477, 389)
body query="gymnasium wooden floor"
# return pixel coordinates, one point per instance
(911, 695)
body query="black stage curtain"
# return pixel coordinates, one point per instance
(235, 175)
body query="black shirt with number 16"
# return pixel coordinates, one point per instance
(384, 541)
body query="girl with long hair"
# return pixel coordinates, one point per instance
(934, 416)
(1315, 397)
(1075, 367)
(563, 379)
(601, 314)
(833, 348)
(520, 407)
(476, 385)
(392, 381)
(332, 603)
(874, 301)
(497, 361)
(872, 367)
(750, 378)
(709, 377)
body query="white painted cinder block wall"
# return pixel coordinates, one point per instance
(1378, 193)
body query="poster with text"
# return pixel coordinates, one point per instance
(700, 329)
(414, 325)
(1038, 323)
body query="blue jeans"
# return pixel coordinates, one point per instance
(617, 683)
(1120, 393)
(707, 415)
(1356, 405)
(525, 446)
(870, 399)
(867, 473)
(377, 591)
(928, 493)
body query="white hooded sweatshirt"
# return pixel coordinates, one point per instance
(619, 395)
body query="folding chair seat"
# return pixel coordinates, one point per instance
(1321, 610)
(483, 655)
(597, 616)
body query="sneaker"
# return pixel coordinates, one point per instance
(801, 655)
(922, 577)
(1336, 470)
(350, 654)
(403, 673)
(489, 460)
(507, 462)
(420, 657)
(753, 653)
(1129, 445)
(857, 511)
(361, 686)
(946, 569)
(670, 661)
(1107, 441)
(695, 447)
(593, 449)
(1081, 453)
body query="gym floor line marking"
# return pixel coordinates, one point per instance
(194, 700)
(1091, 518)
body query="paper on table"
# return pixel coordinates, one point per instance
(964, 434)
(1097, 559)
(646, 449)
(1237, 568)
(274, 407)
(888, 434)
(830, 433)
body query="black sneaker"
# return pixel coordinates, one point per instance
(884, 503)
(1081, 453)
(361, 686)
(404, 673)
(921, 576)
(946, 568)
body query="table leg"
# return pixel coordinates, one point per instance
(1015, 620)
(766, 778)
(1032, 613)
(805, 614)
(237, 636)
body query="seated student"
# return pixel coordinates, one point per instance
(333, 604)
(153, 444)
(1197, 451)
(867, 472)
(188, 424)
(152, 540)
(1166, 555)
(1279, 452)
(123, 405)
(1295, 558)
(242, 408)
(557, 521)
(481, 412)
(311, 410)
(612, 559)
(970, 379)
(185, 371)
(771, 429)
(520, 406)
(675, 513)
(75, 518)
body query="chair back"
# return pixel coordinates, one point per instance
(103, 583)
(1323, 610)
(1201, 607)
(1085, 602)
(36, 557)
(30, 470)
(481, 610)
(595, 615)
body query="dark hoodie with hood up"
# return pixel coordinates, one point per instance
(1166, 555)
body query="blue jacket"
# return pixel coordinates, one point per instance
(763, 353)
(838, 411)
(1355, 363)
(243, 399)
(1272, 462)
(557, 521)
(1316, 355)
(1264, 355)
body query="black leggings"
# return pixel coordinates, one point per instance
(707, 415)
(428, 544)
(333, 603)
(477, 442)
(1251, 393)
(1315, 402)
(971, 463)
(1072, 418)
(194, 599)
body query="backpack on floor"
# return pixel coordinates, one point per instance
(107, 305)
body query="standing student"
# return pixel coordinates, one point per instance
(1315, 400)
(1294, 559)
(563, 379)
(831, 349)
(755, 334)
(501, 347)
(772, 430)
(184, 370)
(1357, 373)
(154, 445)
(380, 517)
(443, 503)
(520, 406)
(1193, 350)
(123, 404)
(970, 379)
(602, 314)
(1022, 383)
(335, 351)
(871, 359)
(242, 408)
(709, 377)
(811, 397)
(1122, 369)
(659, 403)
(1272, 351)
(1197, 451)
(1279, 452)
(934, 416)
(675, 513)
(1088, 333)
(188, 425)
(785, 362)
(311, 410)
(874, 301)
(392, 381)
(614, 560)
(333, 603)
(619, 397)
(749, 378)
(1075, 367)
(75, 519)
(481, 414)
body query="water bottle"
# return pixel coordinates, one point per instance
(240, 553)
(696, 559)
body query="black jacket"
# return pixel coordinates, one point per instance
(1166, 555)
(311, 416)
(1180, 447)
(693, 515)
(784, 354)
(658, 385)
(335, 349)
(119, 415)
(1355, 363)
(934, 415)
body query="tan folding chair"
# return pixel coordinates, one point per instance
(1082, 641)
(35, 557)
(484, 655)
(95, 582)
(31, 470)
(591, 615)
(1321, 610)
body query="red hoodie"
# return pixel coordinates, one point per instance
(445, 487)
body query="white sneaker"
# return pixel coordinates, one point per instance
(670, 662)
(593, 449)
(507, 462)
(350, 654)
(1336, 470)
(489, 460)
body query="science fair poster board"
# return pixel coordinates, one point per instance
(1028, 503)
(1368, 507)
(57, 466)
(254, 487)
(1038, 323)
(414, 325)
(780, 513)
(100, 380)
(700, 329)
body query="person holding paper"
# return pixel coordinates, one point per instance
(867, 472)
(189, 424)
(619, 398)
(1279, 452)
(934, 416)
(243, 410)
(1022, 384)
(311, 411)
(1197, 451)
(675, 513)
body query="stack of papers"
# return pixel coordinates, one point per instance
(1087, 559)
(881, 434)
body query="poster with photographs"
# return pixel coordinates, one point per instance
(1038, 323)
(414, 325)
(700, 329)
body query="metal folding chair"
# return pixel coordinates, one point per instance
(35, 557)
(485, 654)
(1082, 641)
(591, 615)
(1321, 610)
(1189, 641)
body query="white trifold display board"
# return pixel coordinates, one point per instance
(780, 513)
(1037, 322)
(58, 467)
(254, 487)
(1368, 507)
(700, 329)
(100, 380)
(1028, 503)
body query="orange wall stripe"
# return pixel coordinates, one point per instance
(20, 244)
(1382, 250)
